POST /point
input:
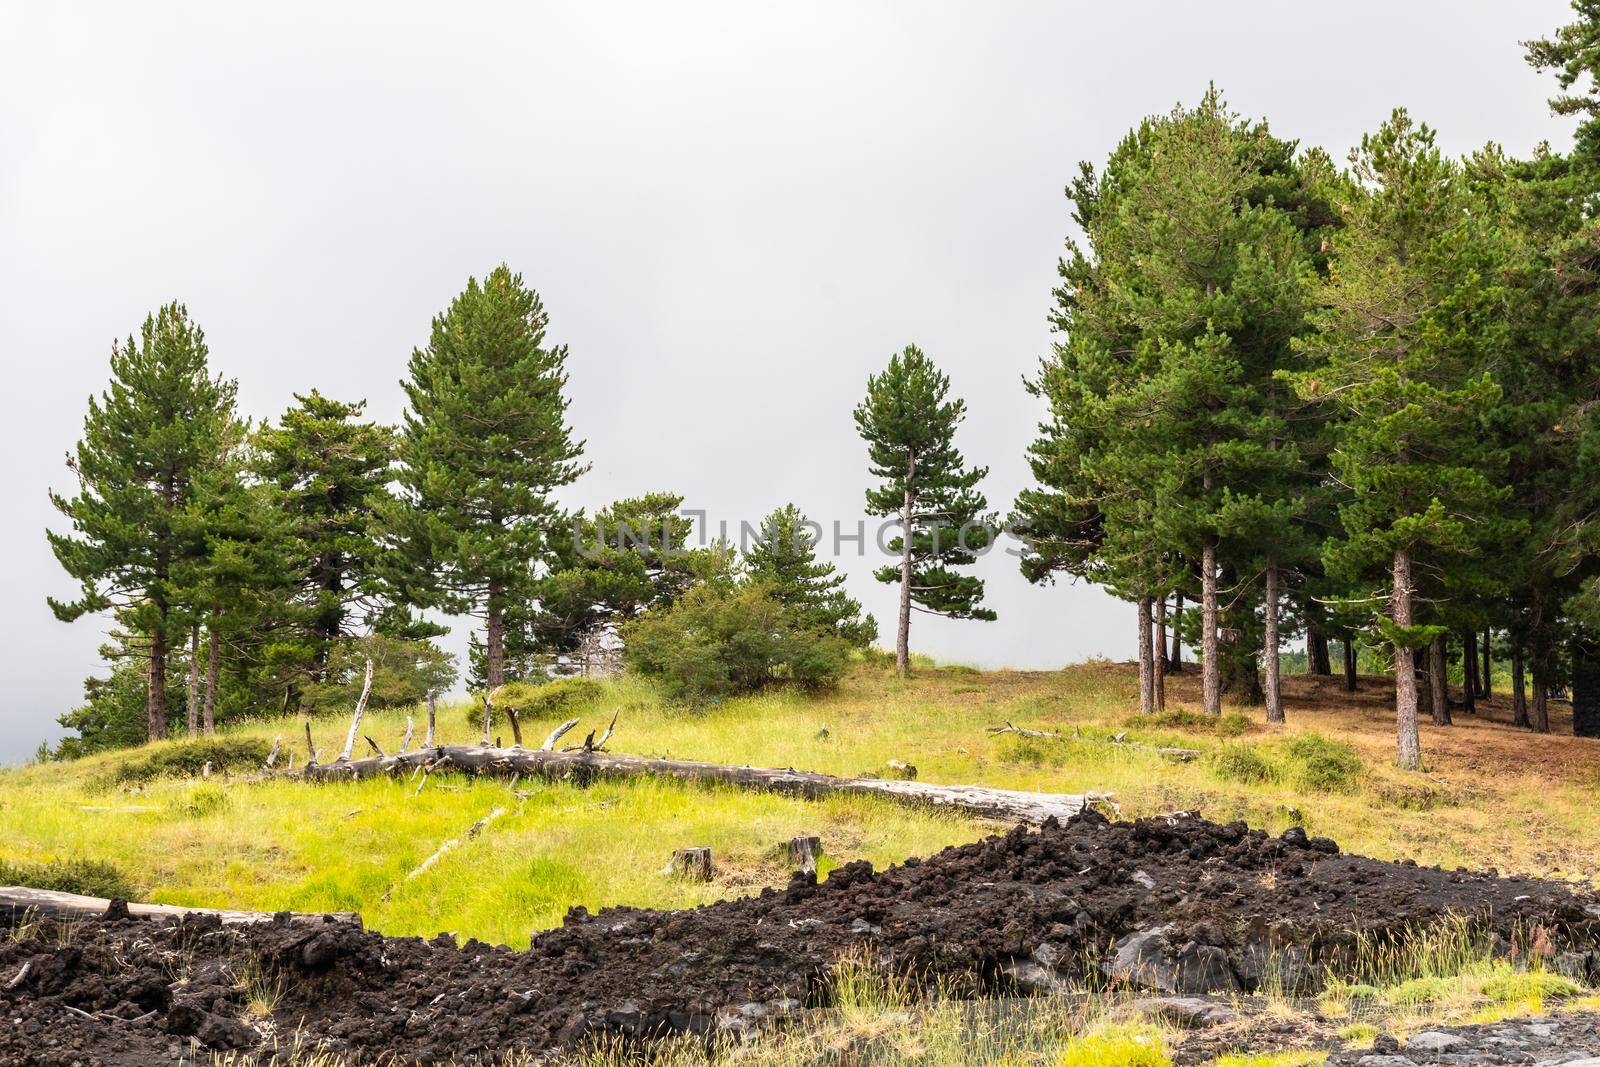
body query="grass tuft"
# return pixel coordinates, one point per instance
(92, 878)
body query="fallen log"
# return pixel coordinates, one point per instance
(19, 903)
(581, 765)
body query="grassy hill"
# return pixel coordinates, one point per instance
(1491, 796)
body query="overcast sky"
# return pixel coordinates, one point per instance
(734, 213)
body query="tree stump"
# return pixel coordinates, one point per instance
(899, 768)
(803, 853)
(693, 864)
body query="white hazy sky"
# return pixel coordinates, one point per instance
(734, 213)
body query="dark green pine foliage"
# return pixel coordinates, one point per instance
(1171, 461)
(1574, 55)
(483, 446)
(909, 424)
(331, 470)
(1412, 317)
(1552, 422)
(163, 419)
(784, 558)
(242, 589)
(605, 569)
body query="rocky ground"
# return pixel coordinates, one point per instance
(1173, 905)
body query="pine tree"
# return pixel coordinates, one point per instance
(1409, 318)
(784, 558)
(909, 426)
(331, 471)
(1170, 451)
(483, 446)
(162, 420)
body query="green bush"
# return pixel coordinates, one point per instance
(721, 640)
(187, 759)
(1323, 765)
(202, 800)
(1233, 724)
(1242, 763)
(91, 878)
(403, 672)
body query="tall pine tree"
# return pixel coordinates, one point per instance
(331, 469)
(161, 422)
(483, 446)
(909, 424)
(1408, 320)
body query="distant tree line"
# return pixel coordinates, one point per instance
(1358, 403)
(256, 569)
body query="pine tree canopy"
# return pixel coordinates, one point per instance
(909, 425)
(784, 558)
(483, 446)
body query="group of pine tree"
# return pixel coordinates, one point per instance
(257, 569)
(1360, 404)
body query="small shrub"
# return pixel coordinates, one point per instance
(1176, 719)
(201, 801)
(1242, 763)
(91, 878)
(187, 759)
(722, 640)
(1233, 724)
(1323, 765)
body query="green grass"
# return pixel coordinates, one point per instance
(242, 840)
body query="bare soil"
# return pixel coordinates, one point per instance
(1201, 903)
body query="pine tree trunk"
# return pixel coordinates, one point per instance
(1176, 659)
(1539, 710)
(1487, 692)
(1159, 660)
(1211, 667)
(1438, 665)
(1269, 649)
(1519, 689)
(156, 682)
(1147, 676)
(1317, 660)
(1349, 664)
(494, 641)
(194, 680)
(213, 657)
(1469, 672)
(1405, 670)
(902, 640)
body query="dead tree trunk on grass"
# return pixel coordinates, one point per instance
(584, 765)
(355, 721)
